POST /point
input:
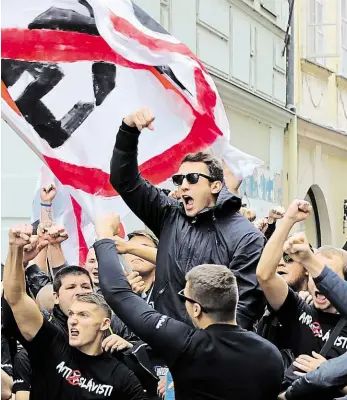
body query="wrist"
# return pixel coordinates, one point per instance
(270, 220)
(105, 234)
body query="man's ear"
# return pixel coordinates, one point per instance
(216, 187)
(196, 310)
(56, 298)
(105, 324)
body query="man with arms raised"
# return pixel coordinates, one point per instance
(69, 368)
(204, 228)
(216, 360)
(308, 327)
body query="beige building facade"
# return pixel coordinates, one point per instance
(321, 104)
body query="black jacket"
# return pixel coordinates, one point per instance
(217, 363)
(220, 235)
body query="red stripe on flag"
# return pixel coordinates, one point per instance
(83, 248)
(58, 46)
(158, 169)
(124, 27)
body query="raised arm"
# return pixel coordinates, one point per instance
(25, 310)
(326, 280)
(128, 247)
(165, 335)
(274, 286)
(146, 201)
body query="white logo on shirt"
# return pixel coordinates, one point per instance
(75, 378)
(161, 321)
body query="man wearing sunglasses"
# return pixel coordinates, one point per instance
(204, 227)
(308, 327)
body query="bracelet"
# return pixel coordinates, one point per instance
(46, 205)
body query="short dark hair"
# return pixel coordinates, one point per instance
(215, 288)
(70, 270)
(97, 299)
(213, 164)
(146, 234)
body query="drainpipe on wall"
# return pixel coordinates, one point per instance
(292, 128)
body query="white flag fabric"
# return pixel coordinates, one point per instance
(72, 69)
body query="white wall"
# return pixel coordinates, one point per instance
(20, 169)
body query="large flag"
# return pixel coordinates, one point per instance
(72, 69)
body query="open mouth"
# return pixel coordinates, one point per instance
(188, 201)
(95, 274)
(320, 298)
(74, 332)
(281, 272)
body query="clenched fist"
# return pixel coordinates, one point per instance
(276, 213)
(48, 193)
(298, 248)
(299, 210)
(107, 224)
(142, 118)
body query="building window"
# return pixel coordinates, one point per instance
(344, 38)
(315, 35)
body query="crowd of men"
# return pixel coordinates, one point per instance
(228, 306)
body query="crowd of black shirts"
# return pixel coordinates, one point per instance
(226, 306)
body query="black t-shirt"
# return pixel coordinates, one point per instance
(60, 371)
(21, 372)
(310, 328)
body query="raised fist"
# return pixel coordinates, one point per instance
(136, 282)
(19, 235)
(298, 248)
(299, 210)
(107, 222)
(261, 224)
(142, 118)
(33, 248)
(48, 193)
(55, 234)
(276, 213)
(121, 244)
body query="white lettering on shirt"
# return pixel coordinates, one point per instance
(306, 319)
(161, 321)
(75, 379)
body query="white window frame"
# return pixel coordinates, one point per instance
(343, 40)
(315, 28)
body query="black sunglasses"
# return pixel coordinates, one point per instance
(287, 259)
(184, 298)
(192, 178)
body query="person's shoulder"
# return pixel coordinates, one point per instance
(263, 347)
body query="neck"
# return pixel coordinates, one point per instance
(148, 279)
(208, 322)
(91, 349)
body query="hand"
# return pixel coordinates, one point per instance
(174, 194)
(33, 248)
(142, 118)
(19, 235)
(115, 343)
(261, 224)
(136, 282)
(122, 245)
(48, 193)
(298, 211)
(297, 248)
(282, 396)
(307, 363)
(107, 224)
(306, 297)
(55, 235)
(276, 213)
(162, 387)
(43, 227)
